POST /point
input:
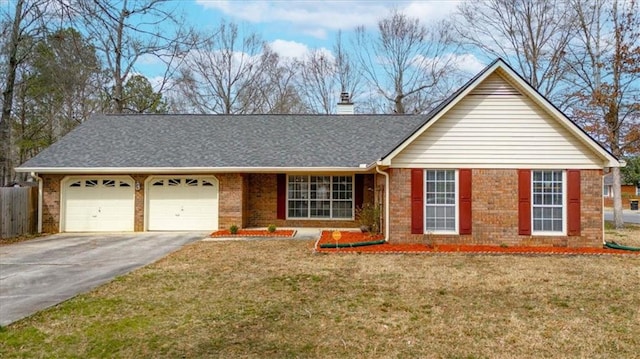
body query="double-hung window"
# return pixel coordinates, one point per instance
(548, 201)
(440, 201)
(320, 197)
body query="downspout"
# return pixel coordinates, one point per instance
(40, 193)
(386, 202)
(604, 240)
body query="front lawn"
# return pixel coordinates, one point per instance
(274, 298)
(629, 235)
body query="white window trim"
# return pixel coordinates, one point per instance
(331, 218)
(424, 199)
(564, 206)
(638, 189)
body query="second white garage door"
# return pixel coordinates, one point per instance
(182, 204)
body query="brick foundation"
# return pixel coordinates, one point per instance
(495, 212)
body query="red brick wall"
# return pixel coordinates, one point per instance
(51, 203)
(231, 200)
(262, 204)
(495, 212)
(138, 224)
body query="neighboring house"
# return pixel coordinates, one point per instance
(627, 191)
(496, 163)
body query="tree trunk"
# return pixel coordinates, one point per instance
(618, 218)
(118, 92)
(6, 168)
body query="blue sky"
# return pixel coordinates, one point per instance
(294, 27)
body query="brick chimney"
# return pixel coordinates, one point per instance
(345, 106)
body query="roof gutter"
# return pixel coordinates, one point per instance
(172, 170)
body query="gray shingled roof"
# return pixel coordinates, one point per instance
(258, 141)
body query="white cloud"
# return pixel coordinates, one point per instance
(316, 18)
(148, 59)
(429, 11)
(468, 63)
(289, 49)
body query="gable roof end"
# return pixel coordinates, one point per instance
(512, 76)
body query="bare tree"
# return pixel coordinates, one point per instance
(28, 22)
(317, 82)
(222, 76)
(531, 35)
(405, 60)
(323, 76)
(605, 67)
(274, 91)
(126, 31)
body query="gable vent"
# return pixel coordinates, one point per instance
(495, 85)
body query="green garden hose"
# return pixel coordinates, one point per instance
(349, 245)
(614, 245)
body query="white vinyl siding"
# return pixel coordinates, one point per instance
(495, 126)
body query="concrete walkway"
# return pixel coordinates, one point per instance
(40, 273)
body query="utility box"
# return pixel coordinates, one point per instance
(633, 204)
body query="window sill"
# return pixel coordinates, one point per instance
(438, 233)
(318, 219)
(542, 234)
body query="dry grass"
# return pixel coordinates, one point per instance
(273, 298)
(630, 235)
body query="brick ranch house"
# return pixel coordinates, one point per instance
(495, 163)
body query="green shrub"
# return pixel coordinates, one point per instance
(368, 217)
(271, 228)
(233, 229)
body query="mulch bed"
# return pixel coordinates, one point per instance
(354, 237)
(254, 233)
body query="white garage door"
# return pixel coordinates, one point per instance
(182, 204)
(98, 204)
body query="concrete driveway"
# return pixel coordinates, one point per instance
(39, 273)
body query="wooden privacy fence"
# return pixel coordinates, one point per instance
(18, 211)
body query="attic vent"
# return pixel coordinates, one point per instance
(345, 106)
(497, 86)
